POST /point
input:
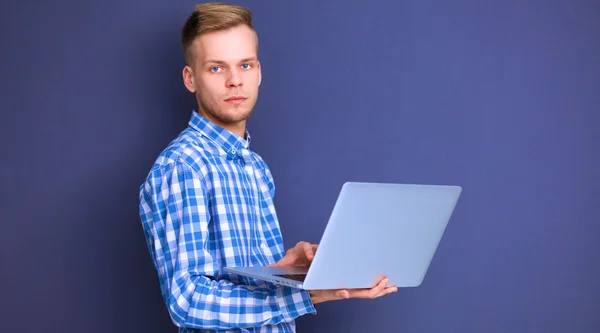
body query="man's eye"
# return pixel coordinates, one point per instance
(215, 69)
(246, 66)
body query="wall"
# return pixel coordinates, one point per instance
(499, 97)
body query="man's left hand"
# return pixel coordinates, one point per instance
(300, 255)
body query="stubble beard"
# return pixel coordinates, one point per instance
(236, 114)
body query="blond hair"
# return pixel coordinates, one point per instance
(211, 17)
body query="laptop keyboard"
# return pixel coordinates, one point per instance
(297, 277)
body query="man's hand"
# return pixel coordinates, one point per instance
(300, 255)
(320, 296)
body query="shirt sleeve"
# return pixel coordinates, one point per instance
(175, 214)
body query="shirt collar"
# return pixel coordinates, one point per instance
(231, 143)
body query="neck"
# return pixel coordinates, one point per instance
(237, 128)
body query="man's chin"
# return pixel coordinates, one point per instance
(234, 118)
(230, 116)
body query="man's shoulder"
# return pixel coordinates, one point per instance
(259, 159)
(188, 150)
(262, 164)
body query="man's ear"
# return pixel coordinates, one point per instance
(188, 78)
(259, 74)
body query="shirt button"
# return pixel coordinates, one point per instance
(263, 245)
(233, 151)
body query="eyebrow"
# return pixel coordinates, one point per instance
(221, 62)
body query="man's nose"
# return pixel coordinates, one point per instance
(234, 79)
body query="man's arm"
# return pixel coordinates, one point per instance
(174, 210)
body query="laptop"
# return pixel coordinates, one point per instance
(374, 230)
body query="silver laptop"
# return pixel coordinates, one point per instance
(375, 230)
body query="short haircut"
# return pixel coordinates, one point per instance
(211, 17)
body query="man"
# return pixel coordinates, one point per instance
(207, 202)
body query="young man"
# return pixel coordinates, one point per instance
(207, 202)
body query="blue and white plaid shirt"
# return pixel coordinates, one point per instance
(207, 203)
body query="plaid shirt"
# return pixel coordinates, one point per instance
(207, 203)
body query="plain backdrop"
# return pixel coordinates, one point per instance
(500, 97)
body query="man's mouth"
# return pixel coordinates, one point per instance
(235, 99)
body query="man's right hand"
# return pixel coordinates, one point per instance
(320, 296)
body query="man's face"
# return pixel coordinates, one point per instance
(225, 75)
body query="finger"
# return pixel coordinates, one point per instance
(370, 293)
(308, 250)
(342, 294)
(387, 291)
(379, 288)
(300, 245)
(278, 264)
(287, 260)
(377, 291)
(359, 293)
